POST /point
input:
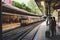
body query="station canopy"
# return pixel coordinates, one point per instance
(55, 4)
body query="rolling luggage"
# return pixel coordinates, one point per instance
(47, 33)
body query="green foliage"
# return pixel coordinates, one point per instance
(28, 9)
(32, 4)
(22, 6)
(16, 4)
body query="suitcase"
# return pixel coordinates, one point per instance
(47, 34)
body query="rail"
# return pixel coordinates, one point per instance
(20, 33)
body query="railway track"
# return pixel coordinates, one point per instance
(19, 32)
(30, 35)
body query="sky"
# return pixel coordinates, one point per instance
(24, 1)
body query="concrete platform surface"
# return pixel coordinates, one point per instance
(41, 33)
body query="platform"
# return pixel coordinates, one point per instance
(41, 33)
(9, 26)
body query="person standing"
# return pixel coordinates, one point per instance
(50, 25)
(53, 26)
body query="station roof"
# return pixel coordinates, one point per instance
(55, 4)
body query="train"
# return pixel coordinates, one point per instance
(25, 19)
(17, 18)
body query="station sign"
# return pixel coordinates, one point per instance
(9, 2)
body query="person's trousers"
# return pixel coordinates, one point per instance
(53, 32)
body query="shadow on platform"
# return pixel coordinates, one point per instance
(57, 37)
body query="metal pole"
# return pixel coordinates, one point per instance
(47, 15)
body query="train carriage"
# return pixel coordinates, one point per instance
(10, 18)
(22, 19)
(25, 20)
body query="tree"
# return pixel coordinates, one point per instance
(28, 9)
(22, 6)
(16, 4)
(34, 7)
